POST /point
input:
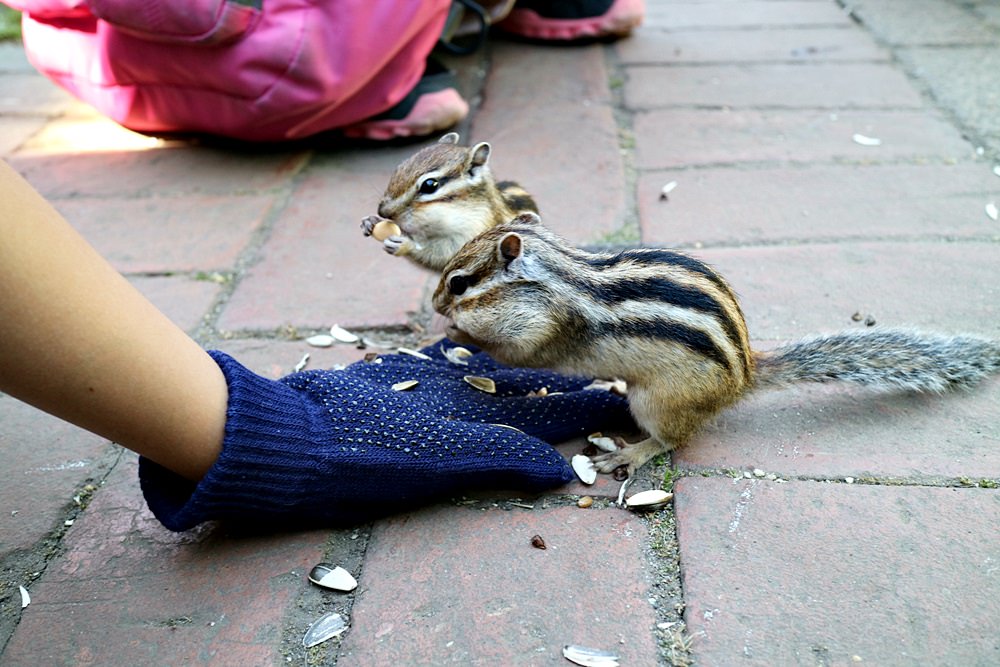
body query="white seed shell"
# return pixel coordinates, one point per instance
(667, 189)
(457, 355)
(336, 578)
(648, 499)
(405, 384)
(25, 597)
(584, 468)
(481, 383)
(866, 141)
(991, 211)
(589, 657)
(343, 335)
(320, 340)
(302, 363)
(602, 442)
(996, 170)
(325, 627)
(508, 427)
(413, 353)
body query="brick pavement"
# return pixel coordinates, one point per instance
(750, 107)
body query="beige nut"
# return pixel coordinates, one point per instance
(383, 229)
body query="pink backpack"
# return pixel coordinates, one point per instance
(284, 69)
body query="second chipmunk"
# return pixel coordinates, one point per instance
(440, 198)
(670, 327)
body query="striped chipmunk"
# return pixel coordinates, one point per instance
(670, 327)
(441, 197)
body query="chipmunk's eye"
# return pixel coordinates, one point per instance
(458, 284)
(429, 186)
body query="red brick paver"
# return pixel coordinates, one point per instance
(474, 589)
(816, 573)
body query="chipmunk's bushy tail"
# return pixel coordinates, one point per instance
(882, 359)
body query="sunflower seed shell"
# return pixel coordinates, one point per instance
(589, 657)
(584, 468)
(647, 500)
(602, 442)
(325, 627)
(481, 383)
(405, 385)
(320, 340)
(342, 335)
(412, 353)
(333, 577)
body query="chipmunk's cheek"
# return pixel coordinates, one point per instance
(459, 336)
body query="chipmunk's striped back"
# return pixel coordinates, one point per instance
(607, 303)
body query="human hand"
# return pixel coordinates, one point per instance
(338, 447)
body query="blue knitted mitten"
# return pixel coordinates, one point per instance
(342, 447)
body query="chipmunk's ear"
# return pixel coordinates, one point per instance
(479, 154)
(509, 248)
(528, 218)
(450, 138)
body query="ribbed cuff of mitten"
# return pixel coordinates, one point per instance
(331, 450)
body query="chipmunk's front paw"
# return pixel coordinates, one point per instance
(396, 245)
(368, 224)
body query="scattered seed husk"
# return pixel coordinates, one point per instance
(620, 474)
(301, 366)
(621, 491)
(614, 386)
(857, 316)
(992, 211)
(508, 426)
(648, 500)
(405, 384)
(539, 393)
(537, 542)
(457, 355)
(667, 189)
(602, 442)
(383, 229)
(869, 321)
(371, 356)
(325, 627)
(481, 383)
(25, 597)
(584, 468)
(589, 657)
(343, 335)
(320, 340)
(413, 353)
(585, 502)
(862, 140)
(332, 577)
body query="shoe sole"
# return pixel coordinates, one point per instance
(431, 112)
(618, 21)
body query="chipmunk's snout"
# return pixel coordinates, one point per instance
(385, 209)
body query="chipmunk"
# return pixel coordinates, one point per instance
(670, 327)
(442, 197)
